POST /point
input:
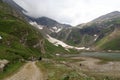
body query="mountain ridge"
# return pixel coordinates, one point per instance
(19, 40)
(87, 36)
(92, 32)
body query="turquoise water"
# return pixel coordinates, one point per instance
(100, 55)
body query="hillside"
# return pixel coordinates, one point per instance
(94, 33)
(110, 42)
(18, 37)
(107, 17)
(20, 40)
(48, 25)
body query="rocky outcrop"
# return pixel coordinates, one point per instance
(40, 45)
(3, 63)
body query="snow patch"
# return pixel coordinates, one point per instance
(56, 29)
(66, 46)
(96, 37)
(36, 25)
(57, 54)
(56, 42)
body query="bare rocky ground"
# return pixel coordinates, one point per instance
(95, 67)
(28, 72)
(3, 63)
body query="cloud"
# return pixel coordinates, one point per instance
(69, 11)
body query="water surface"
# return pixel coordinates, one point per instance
(101, 55)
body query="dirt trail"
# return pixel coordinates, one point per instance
(29, 72)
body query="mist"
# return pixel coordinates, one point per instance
(71, 12)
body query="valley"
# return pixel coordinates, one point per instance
(70, 67)
(41, 48)
(83, 67)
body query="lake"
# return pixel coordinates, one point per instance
(101, 55)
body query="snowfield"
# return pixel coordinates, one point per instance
(57, 42)
(56, 29)
(36, 25)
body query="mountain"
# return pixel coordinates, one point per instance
(18, 39)
(90, 34)
(45, 21)
(17, 35)
(109, 26)
(18, 10)
(107, 17)
(93, 34)
(13, 4)
(48, 25)
(96, 33)
(110, 42)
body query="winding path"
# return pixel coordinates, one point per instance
(29, 72)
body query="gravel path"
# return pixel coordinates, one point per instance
(29, 72)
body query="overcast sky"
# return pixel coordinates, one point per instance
(69, 11)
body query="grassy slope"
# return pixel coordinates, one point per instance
(12, 30)
(110, 42)
(18, 39)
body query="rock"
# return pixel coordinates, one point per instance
(3, 63)
(0, 37)
(57, 54)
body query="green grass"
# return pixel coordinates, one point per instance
(51, 49)
(112, 45)
(59, 72)
(18, 37)
(54, 69)
(108, 43)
